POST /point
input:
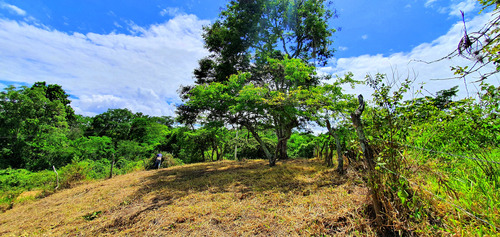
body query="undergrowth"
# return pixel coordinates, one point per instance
(19, 185)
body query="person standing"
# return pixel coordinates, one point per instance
(158, 160)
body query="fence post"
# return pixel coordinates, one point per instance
(368, 155)
(57, 177)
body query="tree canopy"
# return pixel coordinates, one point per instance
(260, 67)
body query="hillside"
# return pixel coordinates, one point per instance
(297, 197)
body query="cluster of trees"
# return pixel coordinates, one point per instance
(261, 73)
(39, 129)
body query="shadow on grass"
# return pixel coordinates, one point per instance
(250, 176)
(244, 178)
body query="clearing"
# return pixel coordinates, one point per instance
(229, 198)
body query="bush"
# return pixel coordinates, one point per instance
(23, 179)
(124, 166)
(169, 161)
(13, 182)
(74, 172)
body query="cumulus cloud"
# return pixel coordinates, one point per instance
(13, 9)
(364, 37)
(403, 64)
(141, 72)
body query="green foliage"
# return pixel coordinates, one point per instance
(115, 123)
(33, 127)
(74, 172)
(250, 148)
(168, 161)
(301, 145)
(278, 102)
(190, 146)
(15, 181)
(387, 128)
(54, 92)
(260, 29)
(132, 150)
(92, 215)
(449, 144)
(258, 72)
(24, 179)
(93, 148)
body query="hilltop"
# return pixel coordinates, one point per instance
(297, 197)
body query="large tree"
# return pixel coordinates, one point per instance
(279, 104)
(262, 41)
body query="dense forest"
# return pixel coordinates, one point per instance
(258, 95)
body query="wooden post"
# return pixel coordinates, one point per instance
(367, 153)
(57, 177)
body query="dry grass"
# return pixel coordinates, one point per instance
(229, 198)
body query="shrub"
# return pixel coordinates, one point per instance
(74, 172)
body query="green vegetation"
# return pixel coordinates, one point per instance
(430, 164)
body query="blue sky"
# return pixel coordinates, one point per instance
(136, 54)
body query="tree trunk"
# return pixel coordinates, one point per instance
(327, 149)
(236, 146)
(367, 153)
(220, 151)
(281, 149)
(283, 132)
(269, 156)
(321, 151)
(330, 156)
(340, 157)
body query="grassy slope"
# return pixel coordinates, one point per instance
(297, 197)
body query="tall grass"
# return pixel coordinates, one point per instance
(466, 190)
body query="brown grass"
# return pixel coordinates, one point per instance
(229, 198)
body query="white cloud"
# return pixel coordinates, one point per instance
(429, 3)
(141, 72)
(169, 11)
(364, 37)
(13, 9)
(465, 6)
(406, 63)
(117, 25)
(343, 48)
